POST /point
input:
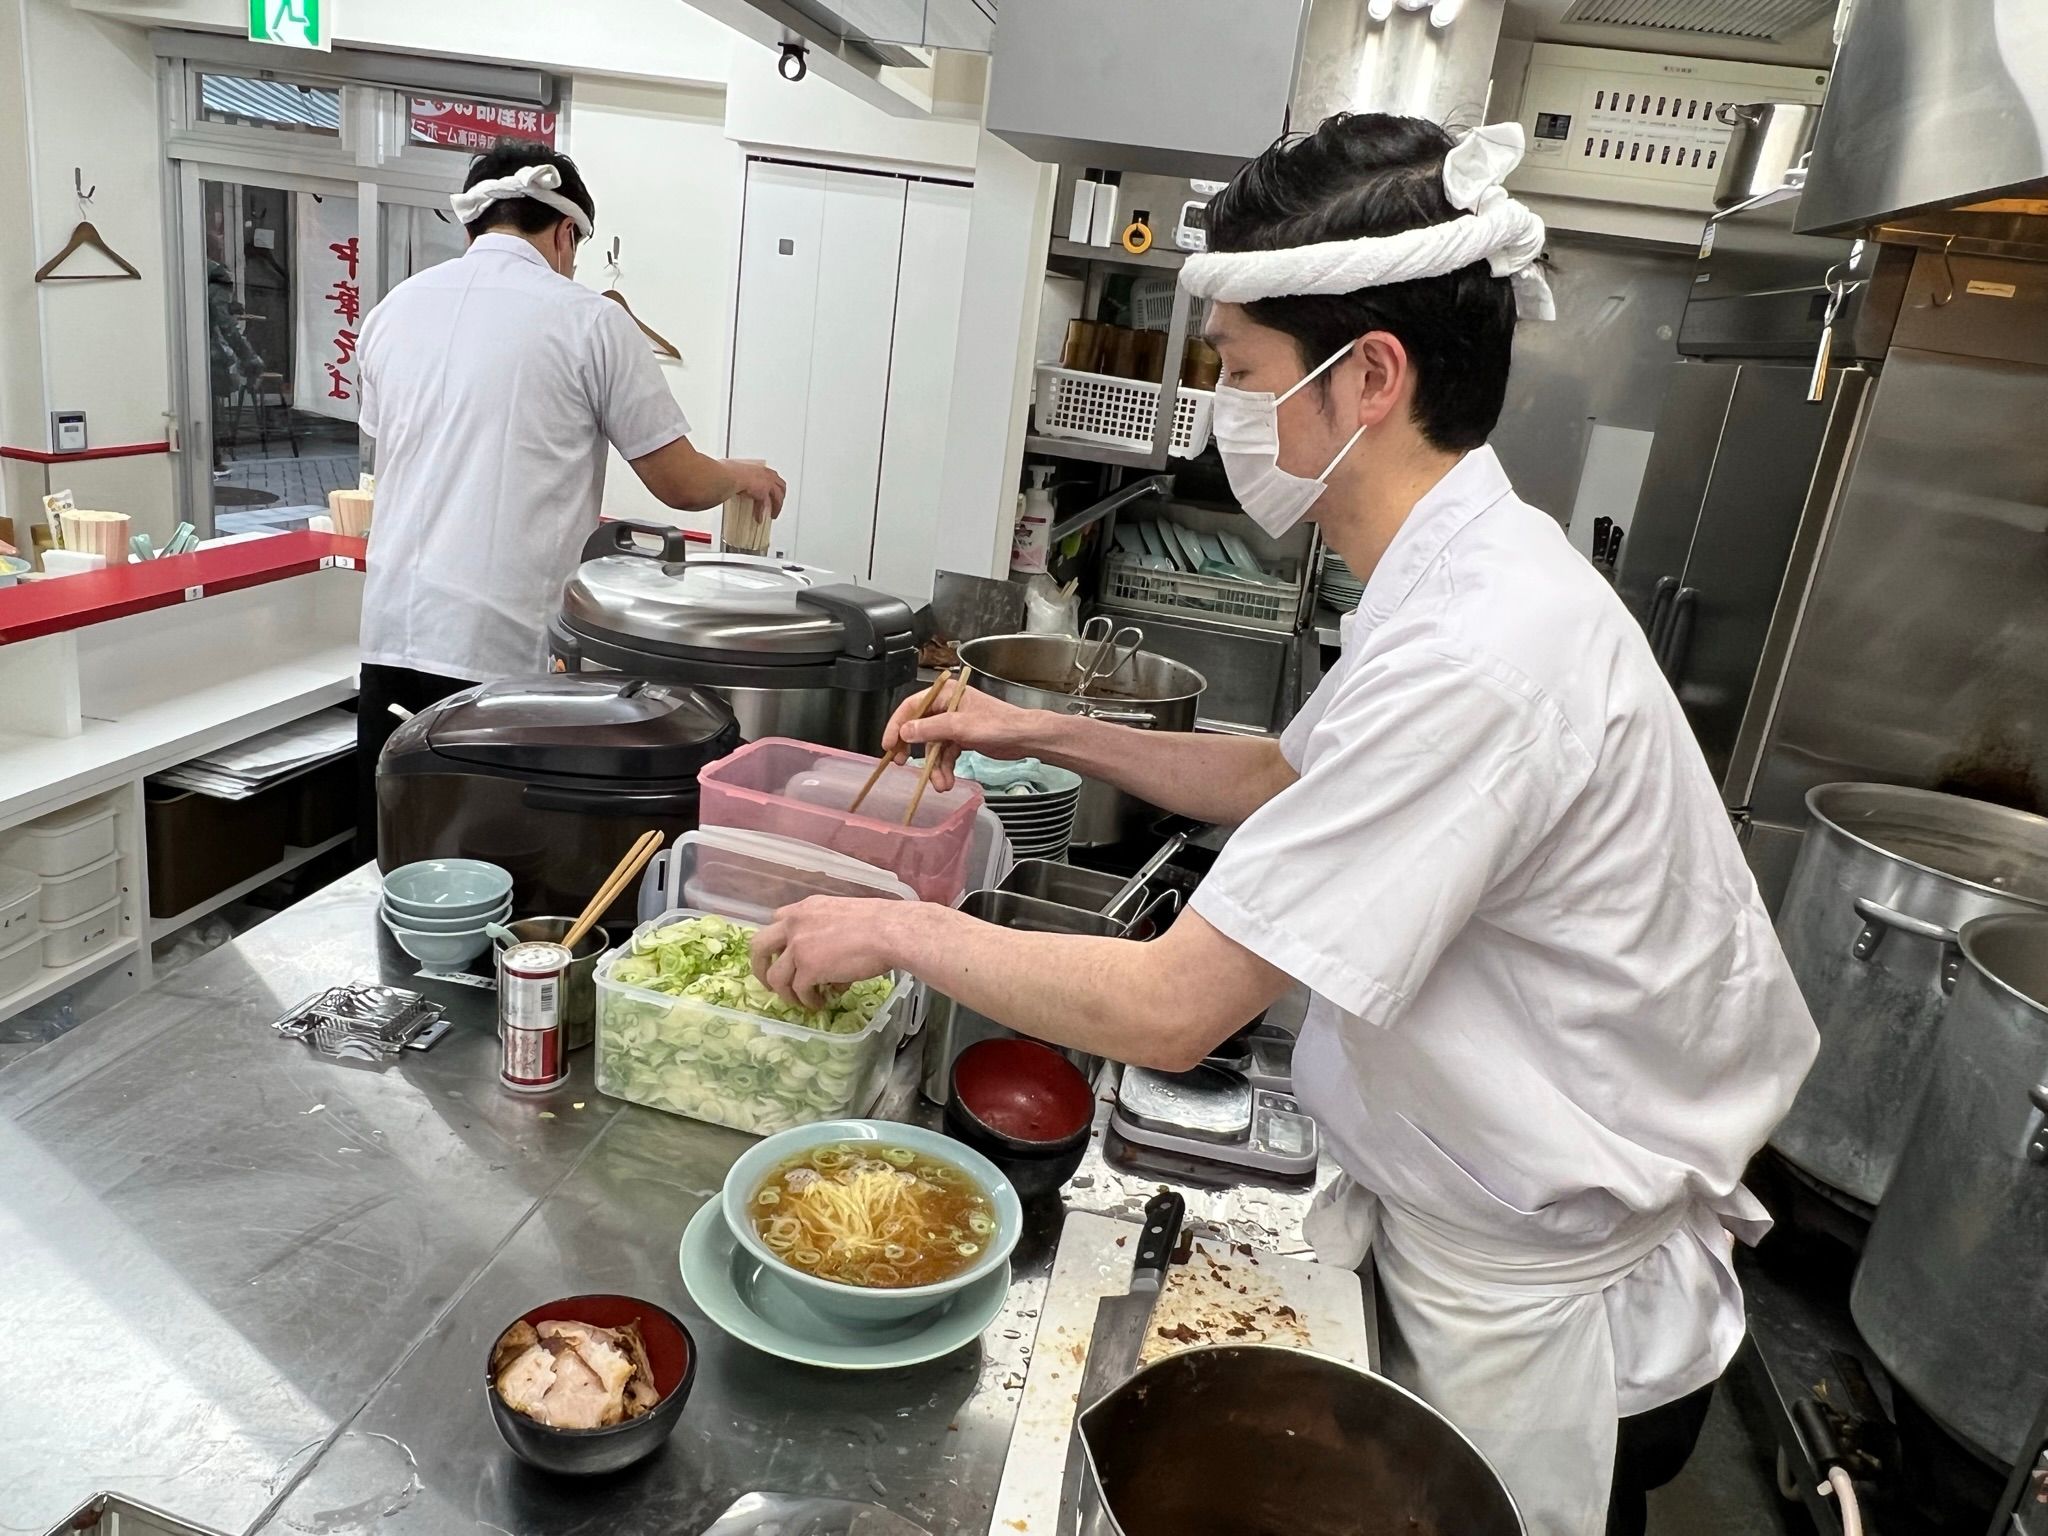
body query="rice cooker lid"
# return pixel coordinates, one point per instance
(584, 728)
(709, 607)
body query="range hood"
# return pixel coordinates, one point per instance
(1194, 88)
(879, 50)
(1931, 106)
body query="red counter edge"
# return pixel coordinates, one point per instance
(30, 610)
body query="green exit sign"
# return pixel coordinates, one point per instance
(292, 23)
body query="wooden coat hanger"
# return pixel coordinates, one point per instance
(662, 344)
(81, 237)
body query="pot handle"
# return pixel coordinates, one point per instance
(617, 538)
(2037, 1144)
(1878, 920)
(1143, 719)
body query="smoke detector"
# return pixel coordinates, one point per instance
(1761, 20)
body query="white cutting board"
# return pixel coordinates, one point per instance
(1273, 1300)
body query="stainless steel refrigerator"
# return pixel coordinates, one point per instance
(1854, 588)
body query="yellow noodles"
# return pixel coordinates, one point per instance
(870, 1215)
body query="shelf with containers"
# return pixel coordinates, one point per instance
(1114, 418)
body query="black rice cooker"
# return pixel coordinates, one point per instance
(794, 650)
(553, 778)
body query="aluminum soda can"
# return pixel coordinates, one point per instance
(533, 1054)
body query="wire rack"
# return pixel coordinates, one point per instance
(1099, 408)
(1130, 585)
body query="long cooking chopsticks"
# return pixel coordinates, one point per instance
(627, 870)
(902, 753)
(931, 752)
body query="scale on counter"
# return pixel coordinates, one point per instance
(1216, 1118)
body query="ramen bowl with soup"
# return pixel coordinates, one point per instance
(871, 1222)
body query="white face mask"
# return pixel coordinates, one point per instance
(1246, 426)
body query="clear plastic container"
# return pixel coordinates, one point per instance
(69, 943)
(62, 842)
(800, 790)
(73, 895)
(18, 892)
(729, 1066)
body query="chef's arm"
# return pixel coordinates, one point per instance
(1214, 778)
(1165, 1004)
(688, 481)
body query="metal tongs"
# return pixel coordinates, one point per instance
(1113, 652)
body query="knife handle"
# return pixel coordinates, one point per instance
(1164, 1213)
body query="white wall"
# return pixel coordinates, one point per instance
(667, 182)
(88, 100)
(814, 115)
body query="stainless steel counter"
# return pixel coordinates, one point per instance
(255, 1287)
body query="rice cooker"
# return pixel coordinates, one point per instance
(553, 778)
(794, 650)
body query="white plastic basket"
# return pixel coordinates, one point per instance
(1099, 408)
(1152, 303)
(1126, 584)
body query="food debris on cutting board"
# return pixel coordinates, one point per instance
(573, 1375)
(1208, 1300)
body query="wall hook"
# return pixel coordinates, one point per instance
(78, 185)
(1948, 277)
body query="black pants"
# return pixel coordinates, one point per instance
(1649, 1451)
(380, 688)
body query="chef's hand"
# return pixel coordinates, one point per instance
(825, 941)
(983, 723)
(758, 481)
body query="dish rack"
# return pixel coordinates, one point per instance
(1127, 584)
(1100, 408)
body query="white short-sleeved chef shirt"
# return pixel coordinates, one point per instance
(492, 385)
(1548, 1000)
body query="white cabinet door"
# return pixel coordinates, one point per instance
(920, 387)
(773, 324)
(861, 242)
(818, 259)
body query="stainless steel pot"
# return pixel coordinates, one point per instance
(1151, 691)
(1885, 878)
(951, 1027)
(1258, 1438)
(1952, 1292)
(1769, 139)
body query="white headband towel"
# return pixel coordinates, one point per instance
(535, 181)
(1495, 229)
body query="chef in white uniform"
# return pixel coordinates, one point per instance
(494, 387)
(1551, 1022)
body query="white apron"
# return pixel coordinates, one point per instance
(1512, 1344)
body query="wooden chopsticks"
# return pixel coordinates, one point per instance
(627, 870)
(931, 753)
(902, 754)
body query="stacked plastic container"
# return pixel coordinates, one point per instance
(60, 892)
(799, 790)
(726, 1065)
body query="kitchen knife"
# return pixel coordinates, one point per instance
(1120, 1323)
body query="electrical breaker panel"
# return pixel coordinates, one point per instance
(1641, 128)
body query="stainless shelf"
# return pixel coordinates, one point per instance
(1096, 453)
(1156, 258)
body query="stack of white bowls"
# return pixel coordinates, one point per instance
(438, 909)
(1039, 824)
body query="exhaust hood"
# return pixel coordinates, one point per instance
(879, 50)
(1931, 106)
(1194, 88)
